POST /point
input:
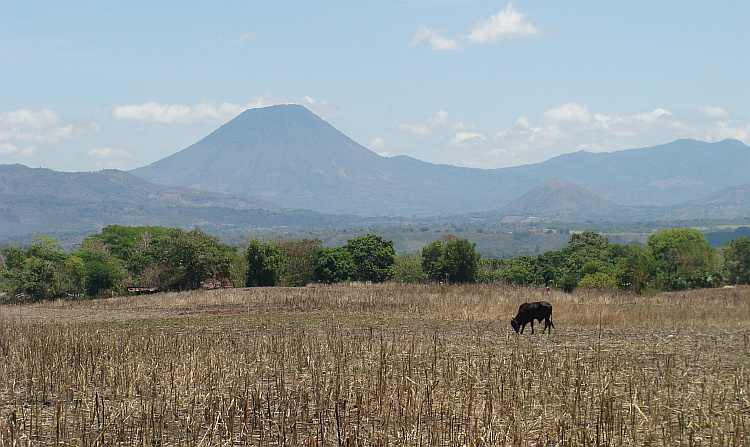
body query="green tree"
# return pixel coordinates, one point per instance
(433, 264)
(75, 269)
(683, 258)
(599, 281)
(124, 241)
(451, 259)
(298, 261)
(461, 261)
(587, 255)
(263, 260)
(101, 271)
(490, 270)
(193, 256)
(373, 257)
(737, 260)
(521, 271)
(334, 265)
(408, 268)
(636, 268)
(144, 265)
(36, 273)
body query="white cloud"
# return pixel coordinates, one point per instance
(713, 112)
(29, 119)
(108, 154)
(439, 120)
(7, 149)
(437, 41)
(29, 151)
(430, 126)
(416, 129)
(571, 127)
(461, 138)
(177, 113)
(723, 130)
(206, 112)
(506, 24)
(523, 122)
(571, 113)
(36, 126)
(377, 143)
(650, 117)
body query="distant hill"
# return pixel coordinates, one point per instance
(565, 201)
(42, 200)
(668, 174)
(287, 155)
(558, 199)
(726, 204)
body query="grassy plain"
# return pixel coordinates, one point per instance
(360, 365)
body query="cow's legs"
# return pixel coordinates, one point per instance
(532, 326)
(548, 324)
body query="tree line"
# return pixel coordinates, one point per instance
(121, 259)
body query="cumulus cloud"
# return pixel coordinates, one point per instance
(10, 149)
(7, 149)
(206, 112)
(177, 113)
(462, 138)
(570, 127)
(523, 122)
(441, 129)
(416, 129)
(572, 120)
(432, 125)
(713, 112)
(44, 126)
(507, 24)
(568, 113)
(429, 126)
(728, 129)
(436, 40)
(108, 154)
(29, 151)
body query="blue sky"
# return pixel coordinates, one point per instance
(113, 84)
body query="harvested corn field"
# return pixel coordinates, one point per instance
(364, 364)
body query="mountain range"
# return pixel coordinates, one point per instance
(283, 167)
(289, 156)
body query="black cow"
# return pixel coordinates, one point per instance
(528, 312)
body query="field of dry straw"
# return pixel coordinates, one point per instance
(362, 365)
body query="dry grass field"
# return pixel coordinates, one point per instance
(371, 365)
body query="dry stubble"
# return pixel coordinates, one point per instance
(376, 365)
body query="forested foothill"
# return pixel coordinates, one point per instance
(121, 260)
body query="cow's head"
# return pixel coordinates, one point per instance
(515, 324)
